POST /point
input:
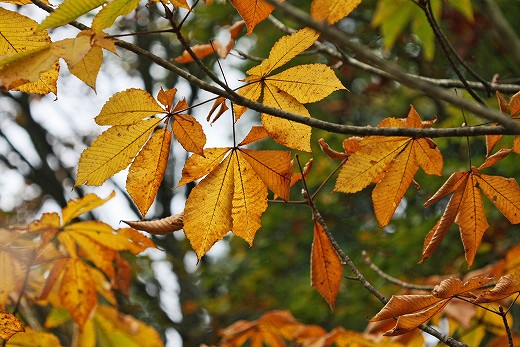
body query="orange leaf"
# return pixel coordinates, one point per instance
(506, 286)
(220, 101)
(326, 268)
(334, 155)
(256, 133)
(200, 51)
(253, 12)
(198, 166)
(332, 10)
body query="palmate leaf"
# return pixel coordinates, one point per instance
(466, 209)
(129, 141)
(233, 195)
(391, 162)
(289, 89)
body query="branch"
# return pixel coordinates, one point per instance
(342, 40)
(440, 82)
(313, 122)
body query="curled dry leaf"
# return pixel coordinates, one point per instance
(333, 154)
(161, 226)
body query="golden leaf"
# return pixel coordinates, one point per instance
(256, 133)
(128, 107)
(198, 166)
(77, 291)
(332, 10)
(113, 151)
(391, 162)
(326, 268)
(9, 325)
(77, 207)
(20, 47)
(189, 133)
(207, 216)
(147, 170)
(31, 338)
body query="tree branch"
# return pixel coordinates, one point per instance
(342, 40)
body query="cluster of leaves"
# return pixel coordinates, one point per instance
(232, 193)
(65, 266)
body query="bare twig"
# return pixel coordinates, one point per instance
(503, 314)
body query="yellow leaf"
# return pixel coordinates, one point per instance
(77, 207)
(147, 170)
(284, 50)
(332, 10)
(113, 9)
(326, 268)
(77, 291)
(9, 325)
(124, 330)
(206, 215)
(390, 190)
(24, 2)
(198, 166)
(26, 67)
(18, 36)
(103, 234)
(68, 11)
(128, 107)
(286, 132)
(273, 167)
(189, 133)
(87, 69)
(253, 12)
(31, 338)
(249, 198)
(112, 151)
(72, 50)
(428, 156)
(306, 83)
(366, 164)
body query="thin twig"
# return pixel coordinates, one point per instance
(503, 314)
(376, 269)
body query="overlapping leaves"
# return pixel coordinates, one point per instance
(77, 281)
(391, 162)
(289, 89)
(132, 139)
(233, 195)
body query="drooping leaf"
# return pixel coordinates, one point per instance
(332, 10)
(233, 195)
(160, 226)
(391, 162)
(506, 286)
(68, 11)
(466, 209)
(26, 61)
(147, 170)
(511, 108)
(113, 9)
(326, 268)
(113, 151)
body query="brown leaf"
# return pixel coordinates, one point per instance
(161, 226)
(333, 154)
(9, 325)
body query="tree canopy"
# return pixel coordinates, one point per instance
(341, 140)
